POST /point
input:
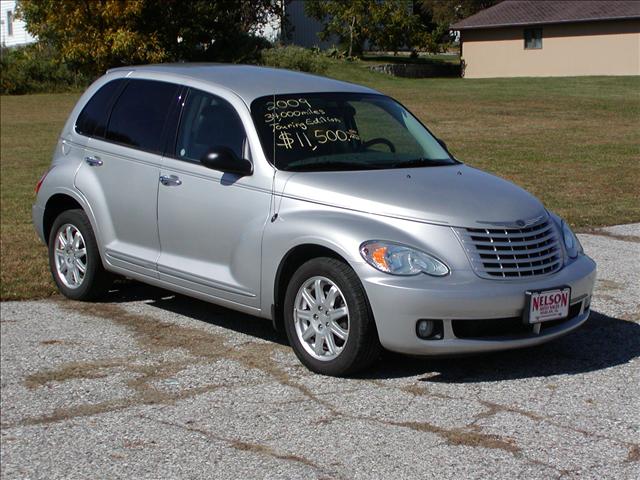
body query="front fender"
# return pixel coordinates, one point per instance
(343, 231)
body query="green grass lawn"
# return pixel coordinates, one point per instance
(573, 142)
(29, 126)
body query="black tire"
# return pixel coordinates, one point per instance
(362, 347)
(96, 279)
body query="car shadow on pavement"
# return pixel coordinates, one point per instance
(131, 291)
(602, 342)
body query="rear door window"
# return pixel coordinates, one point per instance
(92, 121)
(139, 115)
(208, 121)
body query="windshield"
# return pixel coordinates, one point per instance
(343, 131)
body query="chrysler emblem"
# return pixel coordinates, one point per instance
(518, 223)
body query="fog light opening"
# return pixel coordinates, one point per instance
(429, 329)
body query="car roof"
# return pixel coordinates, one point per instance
(248, 81)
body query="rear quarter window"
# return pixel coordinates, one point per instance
(92, 121)
(138, 117)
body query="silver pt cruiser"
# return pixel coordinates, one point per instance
(324, 206)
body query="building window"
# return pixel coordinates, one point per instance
(532, 38)
(10, 23)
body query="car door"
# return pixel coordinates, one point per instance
(211, 223)
(119, 174)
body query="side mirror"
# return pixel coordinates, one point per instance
(225, 160)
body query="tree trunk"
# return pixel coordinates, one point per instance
(353, 22)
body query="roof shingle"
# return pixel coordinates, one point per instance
(533, 12)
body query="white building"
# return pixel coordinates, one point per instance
(12, 31)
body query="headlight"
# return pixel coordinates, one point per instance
(398, 259)
(571, 243)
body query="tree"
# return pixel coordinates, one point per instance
(396, 25)
(439, 15)
(94, 35)
(387, 24)
(204, 30)
(447, 12)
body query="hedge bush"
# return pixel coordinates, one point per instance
(35, 68)
(295, 58)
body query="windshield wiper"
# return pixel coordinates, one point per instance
(328, 166)
(421, 162)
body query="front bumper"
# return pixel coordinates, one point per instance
(399, 302)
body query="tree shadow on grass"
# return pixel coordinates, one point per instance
(602, 342)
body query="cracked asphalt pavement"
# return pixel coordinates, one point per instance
(152, 385)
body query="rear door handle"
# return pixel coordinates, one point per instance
(93, 161)
(170, 180)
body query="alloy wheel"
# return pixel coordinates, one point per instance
(321, 318)
(70, 256)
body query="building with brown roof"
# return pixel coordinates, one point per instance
(545, 38)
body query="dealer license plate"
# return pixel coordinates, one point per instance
(545, 305)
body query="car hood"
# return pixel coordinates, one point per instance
(455, 195)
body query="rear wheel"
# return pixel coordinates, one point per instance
(74, 258)
(328, 320)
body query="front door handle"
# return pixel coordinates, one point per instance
(170, 180)
(93, 161)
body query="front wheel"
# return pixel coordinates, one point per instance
(74, 258)
(328, 320)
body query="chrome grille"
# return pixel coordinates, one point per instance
(513, 252)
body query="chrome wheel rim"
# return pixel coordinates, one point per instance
(321, 318)
(70, 256)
